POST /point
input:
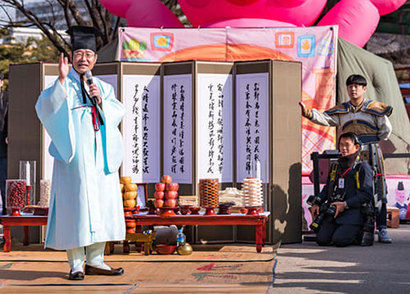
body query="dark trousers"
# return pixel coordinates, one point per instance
(3, 177)
(331, 233)
(381, 220)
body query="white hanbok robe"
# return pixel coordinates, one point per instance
(85, 203)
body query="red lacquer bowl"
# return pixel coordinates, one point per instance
(165, 248)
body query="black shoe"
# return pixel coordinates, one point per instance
(367, 239)
(76, 276)
(91, 270)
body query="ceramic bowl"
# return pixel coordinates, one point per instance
(165, 248)
(195, 210)
(185, 209)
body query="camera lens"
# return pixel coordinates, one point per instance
(331, 210)
(312, 200)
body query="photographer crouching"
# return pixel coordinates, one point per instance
(337, 210)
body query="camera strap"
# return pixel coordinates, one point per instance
(333, 172)
(356, 164)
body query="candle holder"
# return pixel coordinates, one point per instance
(27, 171)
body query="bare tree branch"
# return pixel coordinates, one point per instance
(64, 6)
(80, 12)
(75, 12)
(47, 29)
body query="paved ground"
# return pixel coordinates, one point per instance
(299, 268)
(382, 268)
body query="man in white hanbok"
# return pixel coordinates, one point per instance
(82, 120)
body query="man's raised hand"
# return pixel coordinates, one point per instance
(63, 68)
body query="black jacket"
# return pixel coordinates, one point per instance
(354, 197)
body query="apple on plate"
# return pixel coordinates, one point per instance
(158, 203)
(166, 179)
(160, 187)
(158, 195)
(170, 203)
(172, 187)
(171, 195)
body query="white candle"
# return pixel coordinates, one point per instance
(27, 173)
(258, 169)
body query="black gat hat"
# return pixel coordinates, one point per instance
(83, 37)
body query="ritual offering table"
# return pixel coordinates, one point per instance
(259, 221)
(26, 221)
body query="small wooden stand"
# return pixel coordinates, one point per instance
(147, 239)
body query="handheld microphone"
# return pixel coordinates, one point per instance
(89, 78)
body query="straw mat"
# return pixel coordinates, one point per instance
(222, 253)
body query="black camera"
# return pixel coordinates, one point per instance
(313, 200)
(331, 210)
(323, 212)
(339, 196)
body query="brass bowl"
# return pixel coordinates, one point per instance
(185, 249)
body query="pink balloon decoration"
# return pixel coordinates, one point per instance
(290, 3)
(248, 23)
(386, 7)
(242, 2)
(151, 14)
(117, 7)
(357, 20)
(214, 11)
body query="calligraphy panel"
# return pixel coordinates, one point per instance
(178, 127)
(214, 125)
(252, 126)
(141, 127)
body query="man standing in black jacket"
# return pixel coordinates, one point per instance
(4, 102)
(350, 184)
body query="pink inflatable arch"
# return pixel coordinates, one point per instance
(143, 13)
(357, 19)
(296, 12)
